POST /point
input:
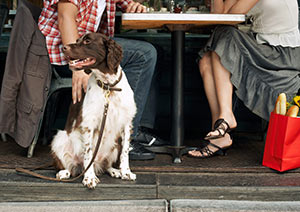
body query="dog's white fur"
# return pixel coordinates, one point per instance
(76, 147)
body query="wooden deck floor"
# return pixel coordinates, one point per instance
(237, 176)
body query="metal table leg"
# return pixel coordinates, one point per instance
(177, 130)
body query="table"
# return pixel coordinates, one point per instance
(178, 24)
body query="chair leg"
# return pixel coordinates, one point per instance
(3, 137)
(49, 117)
(35, 139)
(31, 147)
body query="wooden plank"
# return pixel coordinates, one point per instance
(21, 187)
(230, 193)
(229, 179)
(230, 186)
(16, 191)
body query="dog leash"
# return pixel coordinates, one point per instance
(30, 172)
(108, 88)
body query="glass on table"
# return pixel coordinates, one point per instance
(171, 5)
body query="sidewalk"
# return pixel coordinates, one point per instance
(180, 205)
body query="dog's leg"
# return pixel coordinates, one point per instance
(63, 174)
(126, 173)
(116, 173)
(90, 179)
(62, 154)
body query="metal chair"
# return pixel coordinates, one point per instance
(57, 83)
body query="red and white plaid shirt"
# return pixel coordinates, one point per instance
(86, 19)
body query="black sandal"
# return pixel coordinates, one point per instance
(222, 127)
(208, 152)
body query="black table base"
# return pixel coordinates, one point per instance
(177, 129)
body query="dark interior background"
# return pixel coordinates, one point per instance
(196, 111)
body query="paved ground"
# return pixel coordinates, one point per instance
(225, 183)
(178, 205)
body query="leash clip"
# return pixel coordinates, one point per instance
(107, 93)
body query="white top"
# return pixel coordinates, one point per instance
(276, 22)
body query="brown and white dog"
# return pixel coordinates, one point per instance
(73, 147)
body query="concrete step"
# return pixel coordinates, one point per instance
(186, 205)
(156, 205)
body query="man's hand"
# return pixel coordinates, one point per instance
(136, 7)
(79, 84)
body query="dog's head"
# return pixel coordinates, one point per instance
(94, 51)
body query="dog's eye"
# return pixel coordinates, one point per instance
(86, 41)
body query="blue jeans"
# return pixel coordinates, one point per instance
(138, 63)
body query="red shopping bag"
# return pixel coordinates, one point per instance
(282, 147)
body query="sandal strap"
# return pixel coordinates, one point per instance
(214, 145)
(223, 125)
(207, 150)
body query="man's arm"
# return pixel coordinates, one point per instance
(67, 25)
(67, 13)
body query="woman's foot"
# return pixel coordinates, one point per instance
(218, 146)
(221, 127)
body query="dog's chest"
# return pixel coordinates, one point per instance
(121, 108)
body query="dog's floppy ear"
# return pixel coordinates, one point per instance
(114, 55)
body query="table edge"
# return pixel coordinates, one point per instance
(181, 17)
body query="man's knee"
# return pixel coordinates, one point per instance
(150, 52)
(149, 59)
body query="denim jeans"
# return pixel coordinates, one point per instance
(150, 109)
(138, 63)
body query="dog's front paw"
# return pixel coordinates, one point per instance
(128, 175)
(63, 174)
(90, 182)
(116, 173)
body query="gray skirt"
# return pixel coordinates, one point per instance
(259, 72)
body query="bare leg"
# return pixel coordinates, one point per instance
(218, 89)
(224, 91)
(206, 71)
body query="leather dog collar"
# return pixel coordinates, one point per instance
(108, 86)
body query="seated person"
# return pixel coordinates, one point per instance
(64, 21)
(257, 65)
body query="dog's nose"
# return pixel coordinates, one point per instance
(66, 47)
